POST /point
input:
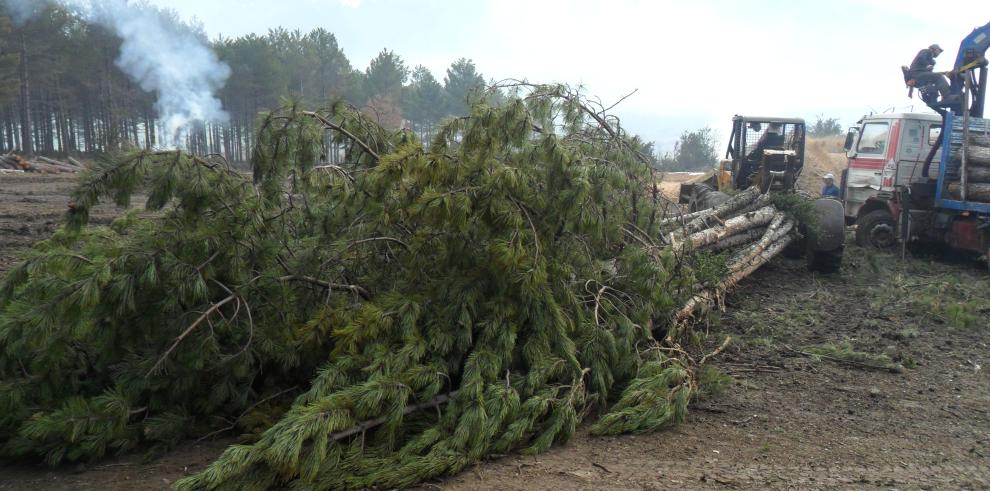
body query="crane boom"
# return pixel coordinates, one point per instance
(971, 62)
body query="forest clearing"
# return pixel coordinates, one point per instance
(233, 259)
(786, 421)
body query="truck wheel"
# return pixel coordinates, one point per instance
(827, 262)
(876, 229)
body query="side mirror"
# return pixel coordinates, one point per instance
(850, 138)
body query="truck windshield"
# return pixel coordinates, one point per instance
(873, 139)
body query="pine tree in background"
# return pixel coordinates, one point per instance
(461, 82)
(75, 100)
(9, 61)
(424, 103)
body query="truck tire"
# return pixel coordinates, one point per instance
(826, 262)
(876, 229)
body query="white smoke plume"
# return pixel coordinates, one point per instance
(161, 56)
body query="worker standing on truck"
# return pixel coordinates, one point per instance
(922, 71)
(830, 190)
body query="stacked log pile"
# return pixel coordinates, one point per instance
(748, 229)
(12, 162)
(977, 171)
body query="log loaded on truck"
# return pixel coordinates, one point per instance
(926, 176)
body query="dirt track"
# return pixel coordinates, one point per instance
(31, 206)
(788, 420)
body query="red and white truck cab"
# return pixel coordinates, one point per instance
(884, 151)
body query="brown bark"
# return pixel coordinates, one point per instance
(978, 155)
(974, 192)
(25, 108)
(978, 174)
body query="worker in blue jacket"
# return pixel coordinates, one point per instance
(830, 190)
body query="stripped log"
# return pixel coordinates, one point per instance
(730, 227)
(979, 140)
(705, 218)
(974, 192)
(978, 155)
(57, 163)
(978, 174)
(743, 268)
(747, 261)
(10, 161)
(43, 168)
(737, 240)
(779, 227)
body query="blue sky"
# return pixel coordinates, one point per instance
(692, 62)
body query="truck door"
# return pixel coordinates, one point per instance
(866, 162)
(911, 152)
(933, 131)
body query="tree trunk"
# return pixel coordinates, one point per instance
(9, 121)
(730, 227)
(974, 192)
(978, 174)
(978, 155)
(26, 147)
(774, 240)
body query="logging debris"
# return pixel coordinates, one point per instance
(44, 165)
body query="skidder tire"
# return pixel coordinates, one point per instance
(826, 262)
(876, 229)
(796, 249)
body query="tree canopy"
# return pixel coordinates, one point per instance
(61, 91)
(506, 274)
(825, 127)
(694, 150)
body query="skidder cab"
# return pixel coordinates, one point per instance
(766, 154)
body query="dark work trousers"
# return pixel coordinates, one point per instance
(924, 78)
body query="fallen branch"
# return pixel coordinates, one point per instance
(329, 286)
(188, 330)
(891, 368)
(367, 425)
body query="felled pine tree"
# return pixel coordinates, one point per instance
(380, 322)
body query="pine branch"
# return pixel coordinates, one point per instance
(188, 331)
(329, 286)
(340, 129)
(369, 424)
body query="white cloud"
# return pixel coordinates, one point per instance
(351, 3)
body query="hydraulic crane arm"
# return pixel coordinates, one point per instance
(971, 67)
(971, 63)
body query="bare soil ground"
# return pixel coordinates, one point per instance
(787, 421)
(31, 206)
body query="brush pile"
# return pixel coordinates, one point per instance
(374, 323)
(12, 162)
